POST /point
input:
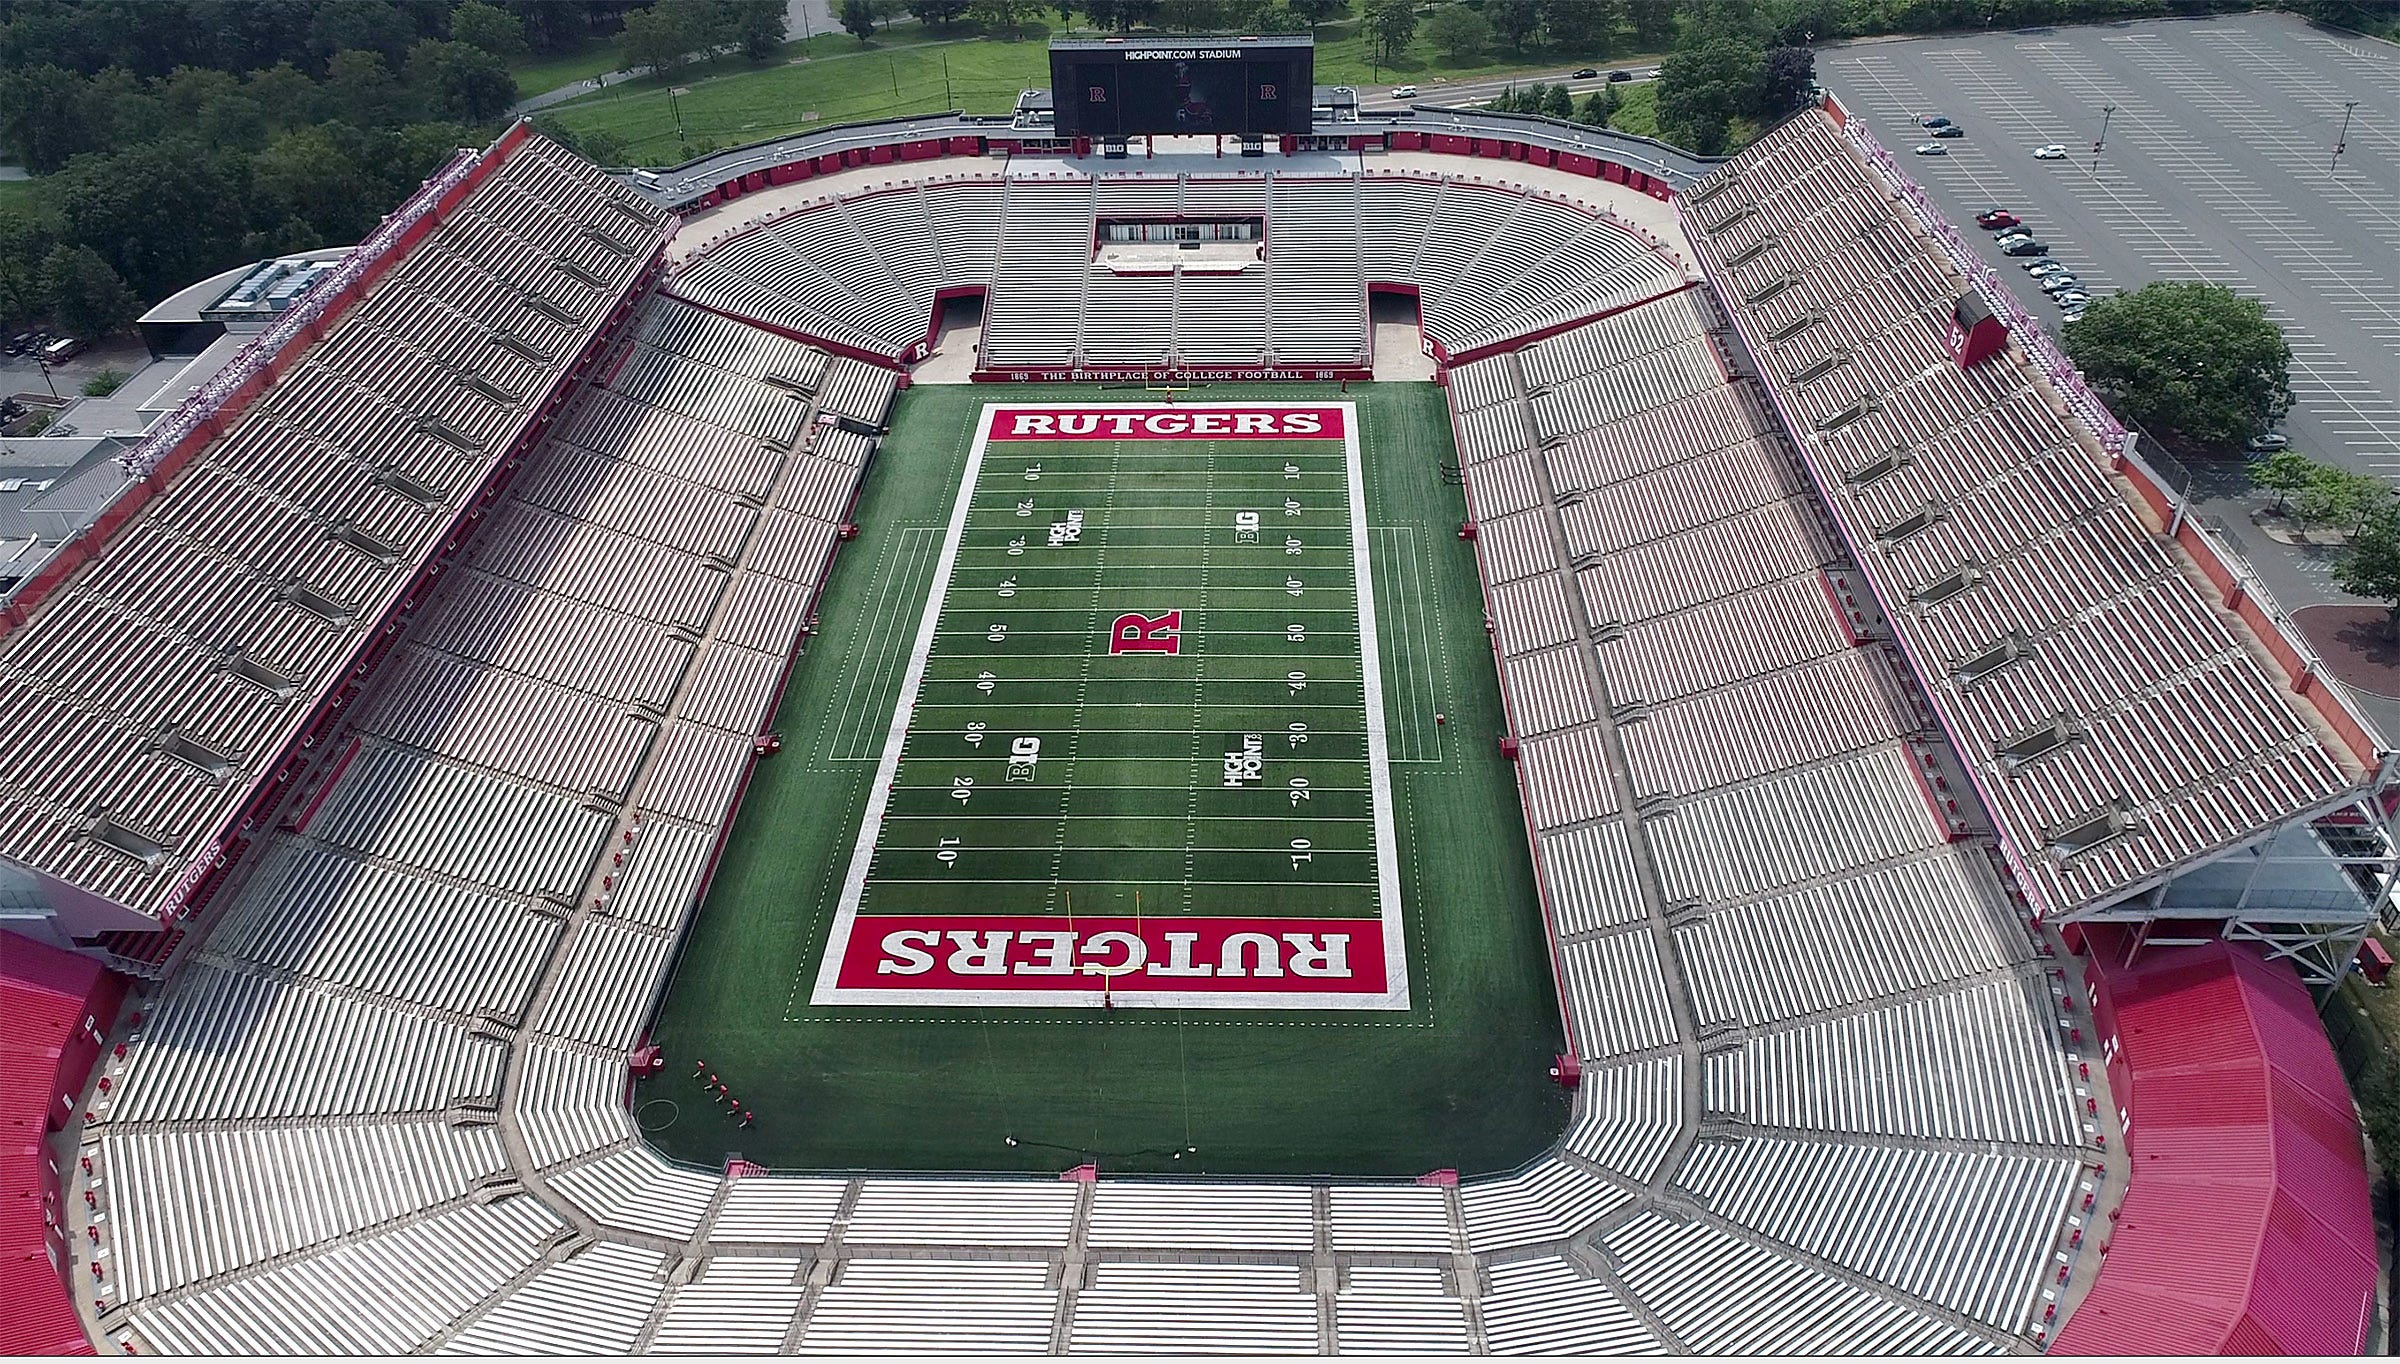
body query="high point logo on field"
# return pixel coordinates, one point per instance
(1169, 423)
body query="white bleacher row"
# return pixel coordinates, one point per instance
(1726, 672)
(2184, 730)
(1492, 264)
(295, 528)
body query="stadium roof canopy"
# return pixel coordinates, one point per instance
(2245, 1228)
(2122, 710)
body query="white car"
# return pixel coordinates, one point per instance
(2268, 443)
(1404, 92)
(2050, 151)
(1931, 149)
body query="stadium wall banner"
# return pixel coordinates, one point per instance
(1137, 757)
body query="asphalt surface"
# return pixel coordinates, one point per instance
(2218, 165)
(1466, 94)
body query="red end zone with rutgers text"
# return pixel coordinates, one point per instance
(1138, 757)
(977, 952)
(1170, 423)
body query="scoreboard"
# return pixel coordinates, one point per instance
(1135, 87)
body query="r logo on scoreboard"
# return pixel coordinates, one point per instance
(1135, 633)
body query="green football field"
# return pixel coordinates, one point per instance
(1113, 822)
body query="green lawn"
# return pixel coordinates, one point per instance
(1459, 1079)
(1638, 113)
(908, 69)
(547, 71)
(14, 193)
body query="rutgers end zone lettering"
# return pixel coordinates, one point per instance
(1009, 952)
(1169, 423)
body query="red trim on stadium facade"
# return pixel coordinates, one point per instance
(2246, 1226)
(59, 1007)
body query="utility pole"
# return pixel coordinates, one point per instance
(2107, 111)
(2342, 138)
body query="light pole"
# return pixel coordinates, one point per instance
(2107, 111)
(674, 92)
(949, 100)
(2342, 138)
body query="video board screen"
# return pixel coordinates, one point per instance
(1201, 87)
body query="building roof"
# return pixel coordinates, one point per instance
(1171, 42)
(2245, 1227)
(149, 690)
(2117, 718)
(44, 994)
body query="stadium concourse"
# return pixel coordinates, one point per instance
(415, 690)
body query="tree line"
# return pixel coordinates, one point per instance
(177, 138)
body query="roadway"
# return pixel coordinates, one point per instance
(2218, 165)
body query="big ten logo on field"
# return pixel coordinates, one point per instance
(1024, 752)
(1245, 528)
(1135, 633)
(1069, 531)
(1246, 761)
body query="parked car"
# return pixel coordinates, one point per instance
(1993, 219)
(1404, 92)
(2267, 443)
(1620, 75)
(2050, 151)
(2025, 246)
(1931, 149)
(1933, 121)
(2044, 266)
(22, 342)
(2074, 314)
(1949, 130)
(1587, 73)
(2073, 299)
(60, 351)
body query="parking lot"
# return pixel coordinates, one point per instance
(2218, 165)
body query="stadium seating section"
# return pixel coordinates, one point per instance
(1827, 1100)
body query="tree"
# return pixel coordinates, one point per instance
(1459, 34)
(1311, 13)
(323, 177)
(285, 94)
(1599, 107)
(758, 26)
(939, 13)
(2284, 473)
(488, 28)
(1191, 16)
(361, 90)
(1583, 28)
(858, 16)
(1515, 21)
(461, 83)
(42, 116)
(1391, 24)
(361, 25)
(1653, 23)
(999, 15)
(2370, 564)
(25, 242)
(87, 296)
(1700, 89)
(659, 38)
(1783, 81)
(2186, 358)
(1560, 102)
(2337, 497)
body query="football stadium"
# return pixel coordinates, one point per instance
(1187, 721)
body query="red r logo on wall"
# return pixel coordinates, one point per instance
(1135, 633)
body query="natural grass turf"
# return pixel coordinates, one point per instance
(902, 71)
(1459, 1080)
(538, 75)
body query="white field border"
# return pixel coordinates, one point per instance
(1389, 917)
